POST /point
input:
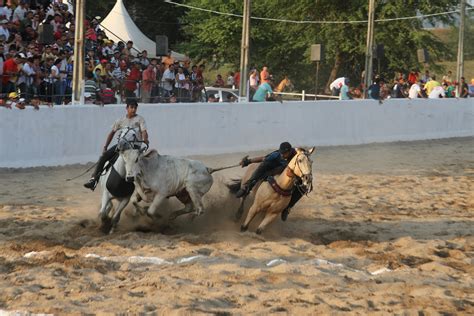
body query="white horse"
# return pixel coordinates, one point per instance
(114, 186)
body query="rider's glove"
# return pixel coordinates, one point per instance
(245, 161)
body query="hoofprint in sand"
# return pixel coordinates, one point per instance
(388, 229)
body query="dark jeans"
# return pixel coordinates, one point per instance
(106, 156)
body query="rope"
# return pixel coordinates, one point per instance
(82, 173)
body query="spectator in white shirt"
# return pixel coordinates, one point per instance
(436, 93)
(20, 11)
(415, 91)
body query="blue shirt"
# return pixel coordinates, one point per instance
(344, 93)
(275, 157)
(262, 91)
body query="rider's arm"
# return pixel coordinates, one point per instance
(145, 137)
(256, 159)
(109, 139)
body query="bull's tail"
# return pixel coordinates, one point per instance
(234, 185)
(212, 170)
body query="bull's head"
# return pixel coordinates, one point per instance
(131, 157)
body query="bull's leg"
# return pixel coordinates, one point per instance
(251, 214)
(270, 217)
(157, 200)
(118, 212)
(196, 198)
(188, 208)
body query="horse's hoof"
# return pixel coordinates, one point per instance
(243, 228)
(106, 226)
(259, 231)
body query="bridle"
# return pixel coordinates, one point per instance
(293, 174)
(130, 143)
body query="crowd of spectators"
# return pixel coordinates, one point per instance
(35, 72)
(412, 86)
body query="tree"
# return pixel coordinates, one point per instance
(284, 47)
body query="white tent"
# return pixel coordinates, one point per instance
(119, 26)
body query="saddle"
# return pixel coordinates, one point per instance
(117, 186)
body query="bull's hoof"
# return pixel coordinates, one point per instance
(259, 231)
(243, 228)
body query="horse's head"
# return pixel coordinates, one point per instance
(302, 165)
(128, 139)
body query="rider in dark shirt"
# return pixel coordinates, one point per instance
(274, 162)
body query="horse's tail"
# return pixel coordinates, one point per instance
(234, 185)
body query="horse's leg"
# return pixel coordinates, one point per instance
(254, 209)
(118, 212)
(106, 205)
(240, 211)
(270, 217)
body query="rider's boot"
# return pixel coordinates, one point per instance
(285, 213)
(246, 188)
(91, 184)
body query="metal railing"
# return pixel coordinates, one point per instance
(303, 96)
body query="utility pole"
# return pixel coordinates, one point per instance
(369, 49)
(78, 69)
(460, 62)
(244, 52)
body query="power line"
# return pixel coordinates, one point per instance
(422, 16)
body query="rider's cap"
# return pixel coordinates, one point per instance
(285, 147)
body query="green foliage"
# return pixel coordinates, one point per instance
(284, 47)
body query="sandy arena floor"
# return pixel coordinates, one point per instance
(387, 230)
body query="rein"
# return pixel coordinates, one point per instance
(88, 169)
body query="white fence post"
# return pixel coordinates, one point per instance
(303, 95)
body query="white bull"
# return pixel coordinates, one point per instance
(167, 176)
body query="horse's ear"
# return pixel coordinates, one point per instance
(311, 150)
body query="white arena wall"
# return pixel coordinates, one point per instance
(75, 134)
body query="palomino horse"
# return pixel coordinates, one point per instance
(237, 184)
(285, 83)
(273, 196)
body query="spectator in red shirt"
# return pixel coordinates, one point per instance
(131, 82)
(413, 77)
(10, 73)
(264, 75)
